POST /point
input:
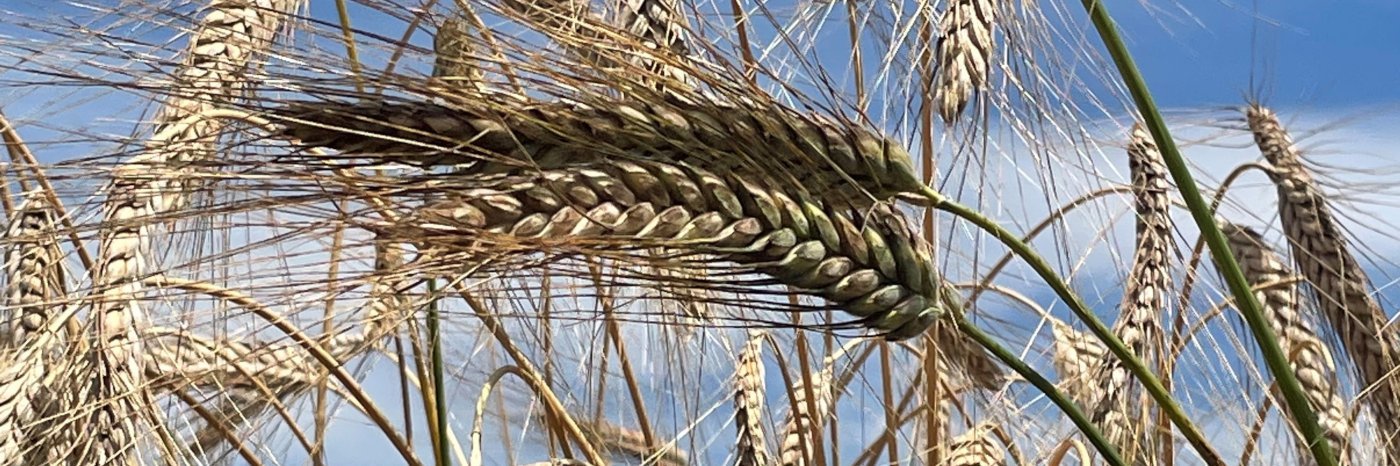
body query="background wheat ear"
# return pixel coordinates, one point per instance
(1340, 287)
(1307, 350)
(965, 45)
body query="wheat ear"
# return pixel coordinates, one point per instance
(34, 271)
(877, 270)
(976, 447)
(631, 443)
(1312, 361)
(33, 266)
(455, 62)
(1340, 287)
(1075, 356)
(763, 143)
(964, 51)
(750, 397)
(662, 26)
(1121, 408)
(811, 411)
(229, 34)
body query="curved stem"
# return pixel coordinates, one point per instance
(1247, 303)
(1070, 409)
(1132, 363)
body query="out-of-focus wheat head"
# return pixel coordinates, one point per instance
(1340, 287)
(1312, 361)
(965, 44)
(1120, 404)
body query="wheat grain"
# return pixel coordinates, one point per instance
(964, 50)
(1341, 288)
(767, 144)
(976, 447)
(749, 401)
(1308, 353)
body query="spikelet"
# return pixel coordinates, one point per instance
(1312, 361)
(749, 401)
(877, 270)
(965, 45)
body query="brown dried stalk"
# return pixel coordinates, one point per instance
(1312, 361)
(765, 144)
(1340, 287)
(1121, 408)
(749, 401)
(964, 50)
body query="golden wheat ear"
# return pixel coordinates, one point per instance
(750, 398)
(965, 45)
(825, 158)
(1340, 286)
(875, 267)
(1306, 348)
(1120, 405)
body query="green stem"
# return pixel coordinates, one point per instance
(439, 375)
(1110, 454)
(1245, 300)
(1042, 268)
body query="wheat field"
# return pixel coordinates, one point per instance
(665, 232)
